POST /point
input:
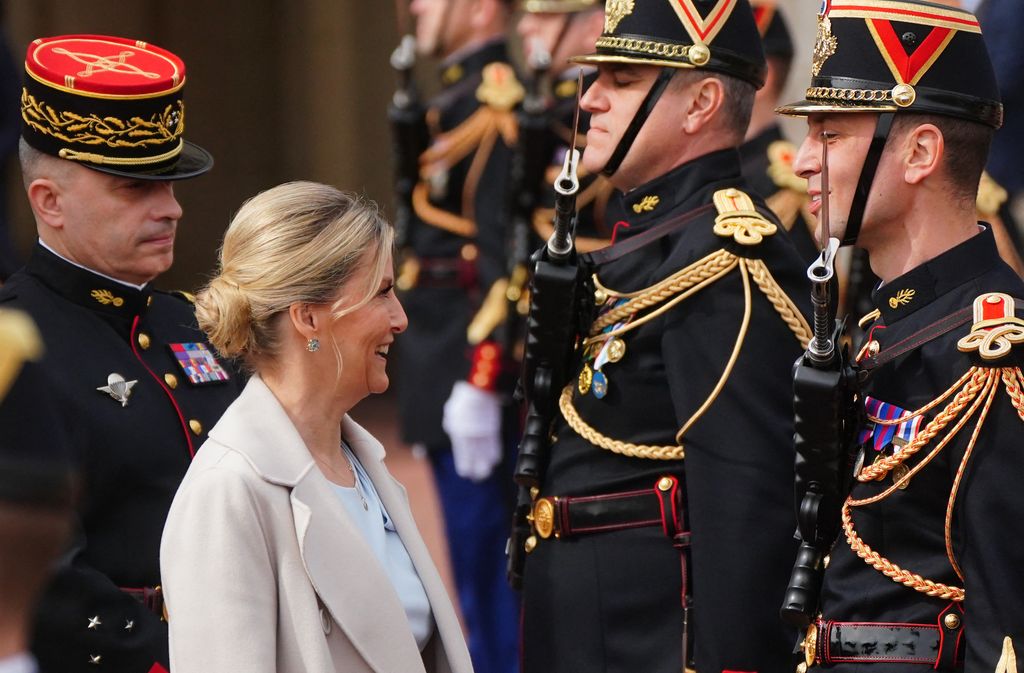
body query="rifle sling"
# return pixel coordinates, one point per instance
(921, 337)
(634, 243)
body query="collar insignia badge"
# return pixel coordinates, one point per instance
(107, 297)
(647, 204)
(902, 298)
(118, 388)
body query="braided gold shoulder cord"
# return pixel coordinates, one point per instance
(977, 380)
(669, 293)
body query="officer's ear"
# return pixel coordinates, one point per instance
(44, 197)
(704, 100)
(923, 149)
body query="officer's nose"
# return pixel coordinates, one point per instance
(808, 158)
(592, 98)
(165, 205)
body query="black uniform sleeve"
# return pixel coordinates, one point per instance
(91, 617)
(739, 479)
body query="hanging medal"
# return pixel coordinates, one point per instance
(610, 349)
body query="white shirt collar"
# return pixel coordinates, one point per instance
(102, 275)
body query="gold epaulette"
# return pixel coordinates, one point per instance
(781, 155)
(187, 296)
(991, 196)
(19, 341)
(996, 329)
(500, 89)
(738, 219)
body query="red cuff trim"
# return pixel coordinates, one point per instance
(485, 366)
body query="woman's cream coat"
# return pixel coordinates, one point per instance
(264, 572)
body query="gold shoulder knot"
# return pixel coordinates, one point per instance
(19, 341)
(187, 296)
(991, 196)
(996, 327)
(781, 155)
(500, 89)
(737, 218)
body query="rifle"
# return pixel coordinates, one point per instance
(551, 331)
(529, 163)
(409, 135)
(824, 389)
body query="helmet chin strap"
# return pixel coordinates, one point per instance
(642, 113)
(867, 177)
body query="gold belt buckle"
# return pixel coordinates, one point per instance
(544, 517)
(810, 644)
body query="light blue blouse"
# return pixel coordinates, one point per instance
(379, 532)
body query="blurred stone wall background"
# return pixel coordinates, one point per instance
(277, 90)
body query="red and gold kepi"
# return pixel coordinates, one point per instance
(900, 55)
(111, 104)
(716, 35)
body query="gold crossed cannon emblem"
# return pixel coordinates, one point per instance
(95, 63)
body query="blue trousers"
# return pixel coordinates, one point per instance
(477, 518)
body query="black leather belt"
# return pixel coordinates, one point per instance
(445, 272)
(151, 597)
(563, 517)
(937, 645)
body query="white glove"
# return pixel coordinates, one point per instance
(472, 419)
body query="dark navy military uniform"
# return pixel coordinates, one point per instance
(103, 605)
(458, 242)
(907, 368)
(455, 266)
(607, 598)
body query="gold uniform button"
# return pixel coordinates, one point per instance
(665, 483)
(149, 301)
(171, 380)
(144, 340)
(469, 252)
(197, 427)
(951, 621)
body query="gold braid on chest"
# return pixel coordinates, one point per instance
(737, 219)
(969, 398)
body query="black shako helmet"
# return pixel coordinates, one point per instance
(716, 35)
(897, 56)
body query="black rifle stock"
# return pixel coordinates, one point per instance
(824, 391)
(551, 332)
(530, 161)
(409, 135)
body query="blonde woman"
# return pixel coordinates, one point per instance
(289, 547)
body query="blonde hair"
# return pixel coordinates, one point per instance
(299, 242)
